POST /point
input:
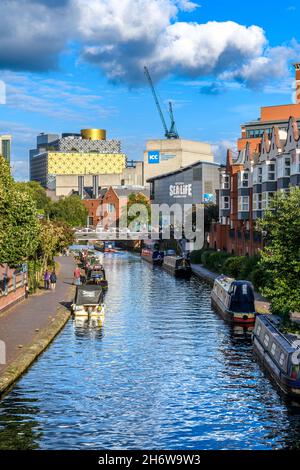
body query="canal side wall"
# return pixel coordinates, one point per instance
(31, 352)
(204, 274)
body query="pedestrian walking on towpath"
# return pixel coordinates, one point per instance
(77, 276)
(53, 279)
(46, 279)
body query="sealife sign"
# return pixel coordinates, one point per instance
(179, 190)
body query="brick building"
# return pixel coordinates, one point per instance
(108, 208)
(267, 162)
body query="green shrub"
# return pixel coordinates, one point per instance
(196, 256)
(259, 277)
(216, 260)
(251, 263)
(205, 255)
(234, 266)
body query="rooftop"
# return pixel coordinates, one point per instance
(182, 169)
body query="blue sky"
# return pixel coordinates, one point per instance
(71, 64)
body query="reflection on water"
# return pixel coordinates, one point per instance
(165, 372)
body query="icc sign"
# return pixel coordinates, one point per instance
(153, 157)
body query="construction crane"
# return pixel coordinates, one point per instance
(169, 133)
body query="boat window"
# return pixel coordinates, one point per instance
(281, 359)
(266, 340)
(242, 299)
(258, 330)
(273, 349)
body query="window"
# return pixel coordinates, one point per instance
(266, 340)
(225, 182)
(266, 199)
(295, 168)
(281, 359)
(243, 179)
(243, 205)
(287, 166)
(225, 202)
(110, 208)
(258, 330)
(273, 349)
(257, 175)
(257, 201)
(271, 172)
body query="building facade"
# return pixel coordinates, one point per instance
(71, 162)
(271, 116)
(108, 208)
(248, 184)
(5, 146)
(167, 155)
(266, 162)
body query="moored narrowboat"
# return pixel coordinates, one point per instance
(152, 254)
(96, 275)
(234, 300)
(88, 308)
(177, 265)
(279, 353)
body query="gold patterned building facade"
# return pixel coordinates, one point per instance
(60, 163)
(82, 163)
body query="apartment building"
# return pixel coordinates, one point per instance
(247, 185)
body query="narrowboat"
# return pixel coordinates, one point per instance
(88, 308)
(151, 254)
(96, 275)
(99, 247)
(279, 353)
(177, 265)
(234, 300)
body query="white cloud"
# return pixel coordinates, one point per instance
(259, 70)
(220, 149)
(120, 37)
(187, 5)
(54, 98)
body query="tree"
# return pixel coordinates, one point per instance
(144, 215)
(211, 213)
(37, 193)
(19, 226)
(70, 210)
(281, 257)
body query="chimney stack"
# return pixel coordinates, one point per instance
(297, 70)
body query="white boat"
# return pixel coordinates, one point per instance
(88, 308)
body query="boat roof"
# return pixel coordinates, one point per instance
(88, 295)
(285, 339)
(226, 282)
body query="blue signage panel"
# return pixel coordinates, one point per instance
(153, 156)
(207, 198)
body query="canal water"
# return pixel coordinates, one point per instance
(165, 372)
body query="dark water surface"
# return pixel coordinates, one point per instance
(165, 372)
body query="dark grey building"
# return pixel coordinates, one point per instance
(194, 184)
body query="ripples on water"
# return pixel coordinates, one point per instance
(165, 372)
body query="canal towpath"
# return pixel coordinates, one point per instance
(27, 328)
(261, 303)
